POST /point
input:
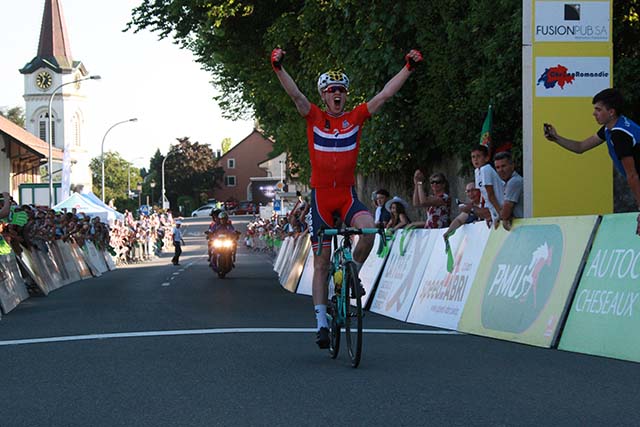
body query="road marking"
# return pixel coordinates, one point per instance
(208, 332)
(166, 284)
(176, 273)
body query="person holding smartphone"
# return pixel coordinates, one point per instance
(621, 134)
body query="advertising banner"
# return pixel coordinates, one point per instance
(294, 270)
(576, 21)
(371, 270)
(96, 259)
(441, 297)
(48, 267)
(67, 260)
(526, 278)
(306, 280)
(78, 257)
(605, 316)
(567, 56)
(33, 269)
(12, 288)
(283, 254)
(405, 266)
(572, 76)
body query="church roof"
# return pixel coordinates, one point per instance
(28, 140)
(54, 48)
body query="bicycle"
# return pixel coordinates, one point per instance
(345, 306)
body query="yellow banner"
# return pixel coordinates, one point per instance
(570, 60)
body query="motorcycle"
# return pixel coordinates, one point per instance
(222, 247)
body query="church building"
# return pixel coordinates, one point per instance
(51, 83)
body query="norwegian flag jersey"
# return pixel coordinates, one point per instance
(334, 142)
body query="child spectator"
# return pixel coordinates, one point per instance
(489, 183)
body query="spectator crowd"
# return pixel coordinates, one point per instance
(31, 227)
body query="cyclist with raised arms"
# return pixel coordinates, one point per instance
(333, 139)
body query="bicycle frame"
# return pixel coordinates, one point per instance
(339, 259)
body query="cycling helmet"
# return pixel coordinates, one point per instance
(223, 215)
(332, 77)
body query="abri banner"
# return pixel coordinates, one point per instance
(442, 295)
(558, 76)
(605, 316)
(525, 279)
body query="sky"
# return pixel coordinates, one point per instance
(152, 80)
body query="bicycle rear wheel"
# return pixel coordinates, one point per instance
(353, 320)
(334, 330)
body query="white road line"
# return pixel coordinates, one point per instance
(176, 273)
(166, 284)
(207, 332)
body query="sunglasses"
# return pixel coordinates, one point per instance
(334, 89)
(472, 190)
(436, 182)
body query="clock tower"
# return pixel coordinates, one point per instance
(52, 67)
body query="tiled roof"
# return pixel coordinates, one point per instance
(28, 140)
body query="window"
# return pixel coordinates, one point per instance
(230, 180)
(43, 125)
(231, 163)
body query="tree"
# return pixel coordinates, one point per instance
(15, 114)
(469, 62)
(190, 169)
(225, 145)
(116, 183)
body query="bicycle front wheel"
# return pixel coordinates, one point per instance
(353, 320)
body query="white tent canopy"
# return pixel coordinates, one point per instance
(84, 205)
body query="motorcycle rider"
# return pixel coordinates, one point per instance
(222, 225)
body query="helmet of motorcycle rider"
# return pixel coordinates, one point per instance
(223, 215)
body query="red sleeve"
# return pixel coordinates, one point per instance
(313, 114)
(362, 112)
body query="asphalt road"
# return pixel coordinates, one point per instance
(159, 345)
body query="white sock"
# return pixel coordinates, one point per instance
(321, 315)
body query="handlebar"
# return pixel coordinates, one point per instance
(350, 231)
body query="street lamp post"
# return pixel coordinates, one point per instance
(50, 126)
(102, 149)
(139, 195)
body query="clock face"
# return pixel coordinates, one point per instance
(44, 80)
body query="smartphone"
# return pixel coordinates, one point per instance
(547, 128)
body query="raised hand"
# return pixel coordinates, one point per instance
(413, 58)
(277, 56)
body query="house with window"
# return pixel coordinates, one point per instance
(240, 164)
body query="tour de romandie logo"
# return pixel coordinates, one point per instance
(522, 278)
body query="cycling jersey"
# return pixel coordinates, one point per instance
(334, 142)
(622, 141)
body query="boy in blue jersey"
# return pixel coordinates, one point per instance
(620, 133)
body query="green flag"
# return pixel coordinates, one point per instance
(447, 249)
(485, 135)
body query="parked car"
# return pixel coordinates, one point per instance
(245, 207)
(203, 210)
